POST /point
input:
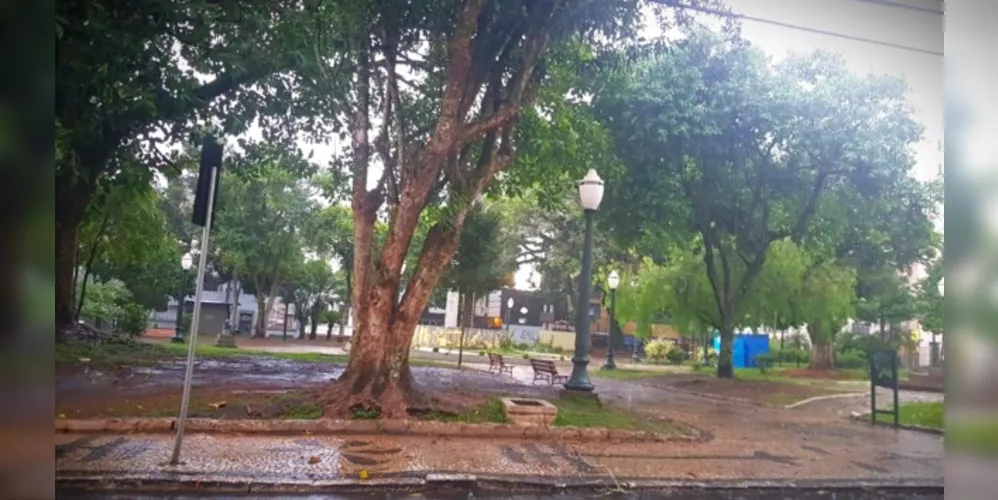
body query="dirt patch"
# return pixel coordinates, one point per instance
(757, 391)
(204, 403)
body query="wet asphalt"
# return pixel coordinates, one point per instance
(738, 494)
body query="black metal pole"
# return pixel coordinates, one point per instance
(579, 380)
(610, 345)
(178, 331)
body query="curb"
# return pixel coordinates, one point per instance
(916, 428)
(433, 482)
(367, 427)
(822, 398)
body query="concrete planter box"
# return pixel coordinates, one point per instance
(530, 412)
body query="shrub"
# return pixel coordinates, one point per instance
(850, 360)
(436, 349)
(676, 355)
(562, 358)
(697, 367)
(506, 343)
(765, 361)
(559, 349)
(523, 346)
(481, 353)
(132, 319)
(526, 356)
(657, 350)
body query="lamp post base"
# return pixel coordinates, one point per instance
(579, 380)
(177, 339)
(609, 365)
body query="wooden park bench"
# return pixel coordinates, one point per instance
(545, 369)
(496, 362)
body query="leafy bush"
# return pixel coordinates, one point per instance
(506, 343)
(523, 346)
(436, 349)
(559, 349)
(765, 361)
(657, 350)
(850, 360)
(132, 319)
(791, 356)
(481, 353)
(676, 355)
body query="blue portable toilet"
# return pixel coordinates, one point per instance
(744, 348)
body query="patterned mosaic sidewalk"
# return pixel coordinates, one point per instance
(282, 459)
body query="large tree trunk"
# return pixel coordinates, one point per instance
(301, 320)
(66, 227)
(822, 355)
(260, 329)
(725, 367)
(313, 319)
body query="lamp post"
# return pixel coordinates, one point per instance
(590, 194)
(185, 263)
(613, 280)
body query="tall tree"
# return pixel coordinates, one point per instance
(261, 226)
(740, 152)
(131, 77)
(445, 129)
(485, 258)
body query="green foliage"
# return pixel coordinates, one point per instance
(486, 254)
(737, 155)
(105, 301)
(930, 303)
(765, 361)
(850, 360)
(126, 236)
(263, 226)
(133, 319)
(676, 355)
(657, 350)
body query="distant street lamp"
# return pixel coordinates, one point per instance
(590, 194)
(185, 263)
(613, 280)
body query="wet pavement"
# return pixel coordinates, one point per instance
(686, 494)
(812, 442)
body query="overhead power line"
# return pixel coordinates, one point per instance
(902, 5)
(735, 15)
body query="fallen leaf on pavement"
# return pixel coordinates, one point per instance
(313, 459)
(220, 404)
(363, 474)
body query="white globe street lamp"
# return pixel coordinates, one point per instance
(614, 281)
(590, 195)
(185, 263)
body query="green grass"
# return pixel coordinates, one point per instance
(574, 411)
(932, 415)
(491, 411)
(620, 374)
(145, 353)
(303, 411)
